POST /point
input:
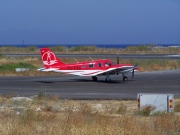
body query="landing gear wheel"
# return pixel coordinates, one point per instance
(125, 78)
(108, 80)
(94, 78)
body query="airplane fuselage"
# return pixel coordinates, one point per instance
(92, 68)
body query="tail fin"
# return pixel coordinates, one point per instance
(49, 59)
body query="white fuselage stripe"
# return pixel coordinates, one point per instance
(91, 72)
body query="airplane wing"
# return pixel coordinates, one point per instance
(116, 70)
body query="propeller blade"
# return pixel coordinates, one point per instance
(133, 73)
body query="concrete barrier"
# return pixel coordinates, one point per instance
(22, 69)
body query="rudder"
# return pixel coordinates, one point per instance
(49, 58)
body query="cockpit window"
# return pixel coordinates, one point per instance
(107, 64)
(114, 63)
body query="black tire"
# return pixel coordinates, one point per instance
(125, 78)
(94, 78)
(108, 80)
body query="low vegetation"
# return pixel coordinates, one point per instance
(89, 49)
(83, 48)
(12, 67)
(51, 115)
(8, 65)
(153, 64)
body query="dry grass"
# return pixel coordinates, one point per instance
(154, 64)
(141, 49)
(55, 116)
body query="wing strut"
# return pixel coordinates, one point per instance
(91, 58)
(76, 60)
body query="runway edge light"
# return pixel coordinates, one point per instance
(161, 102)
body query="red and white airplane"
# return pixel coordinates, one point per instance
(92, 68)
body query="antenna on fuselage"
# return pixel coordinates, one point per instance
(118, 60)
(76, 60)
(91, 58)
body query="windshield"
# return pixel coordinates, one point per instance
(109, 63)
(114, 63)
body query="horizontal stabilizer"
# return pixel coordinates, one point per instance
(47, 70)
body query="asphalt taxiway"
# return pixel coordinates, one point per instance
(74, 87)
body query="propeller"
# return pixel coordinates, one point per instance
(133, 71)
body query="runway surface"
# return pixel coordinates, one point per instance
(74, 87)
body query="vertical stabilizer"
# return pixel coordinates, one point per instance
(49, 58)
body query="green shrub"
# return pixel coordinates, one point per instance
(11, 67)
(146, 110)
(138, 48)
(31, 48)
(41, 94)
(83, 48)
(59, 48)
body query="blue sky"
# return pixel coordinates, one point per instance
(89, 22)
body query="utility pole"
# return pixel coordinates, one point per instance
(23, 41)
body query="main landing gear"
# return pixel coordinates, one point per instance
(125, 78)
(108, 79)
(94, 78)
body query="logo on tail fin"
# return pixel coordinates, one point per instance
(49, 58)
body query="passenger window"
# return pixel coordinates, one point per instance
(83, 66)
(91, 65)
(99, 64)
